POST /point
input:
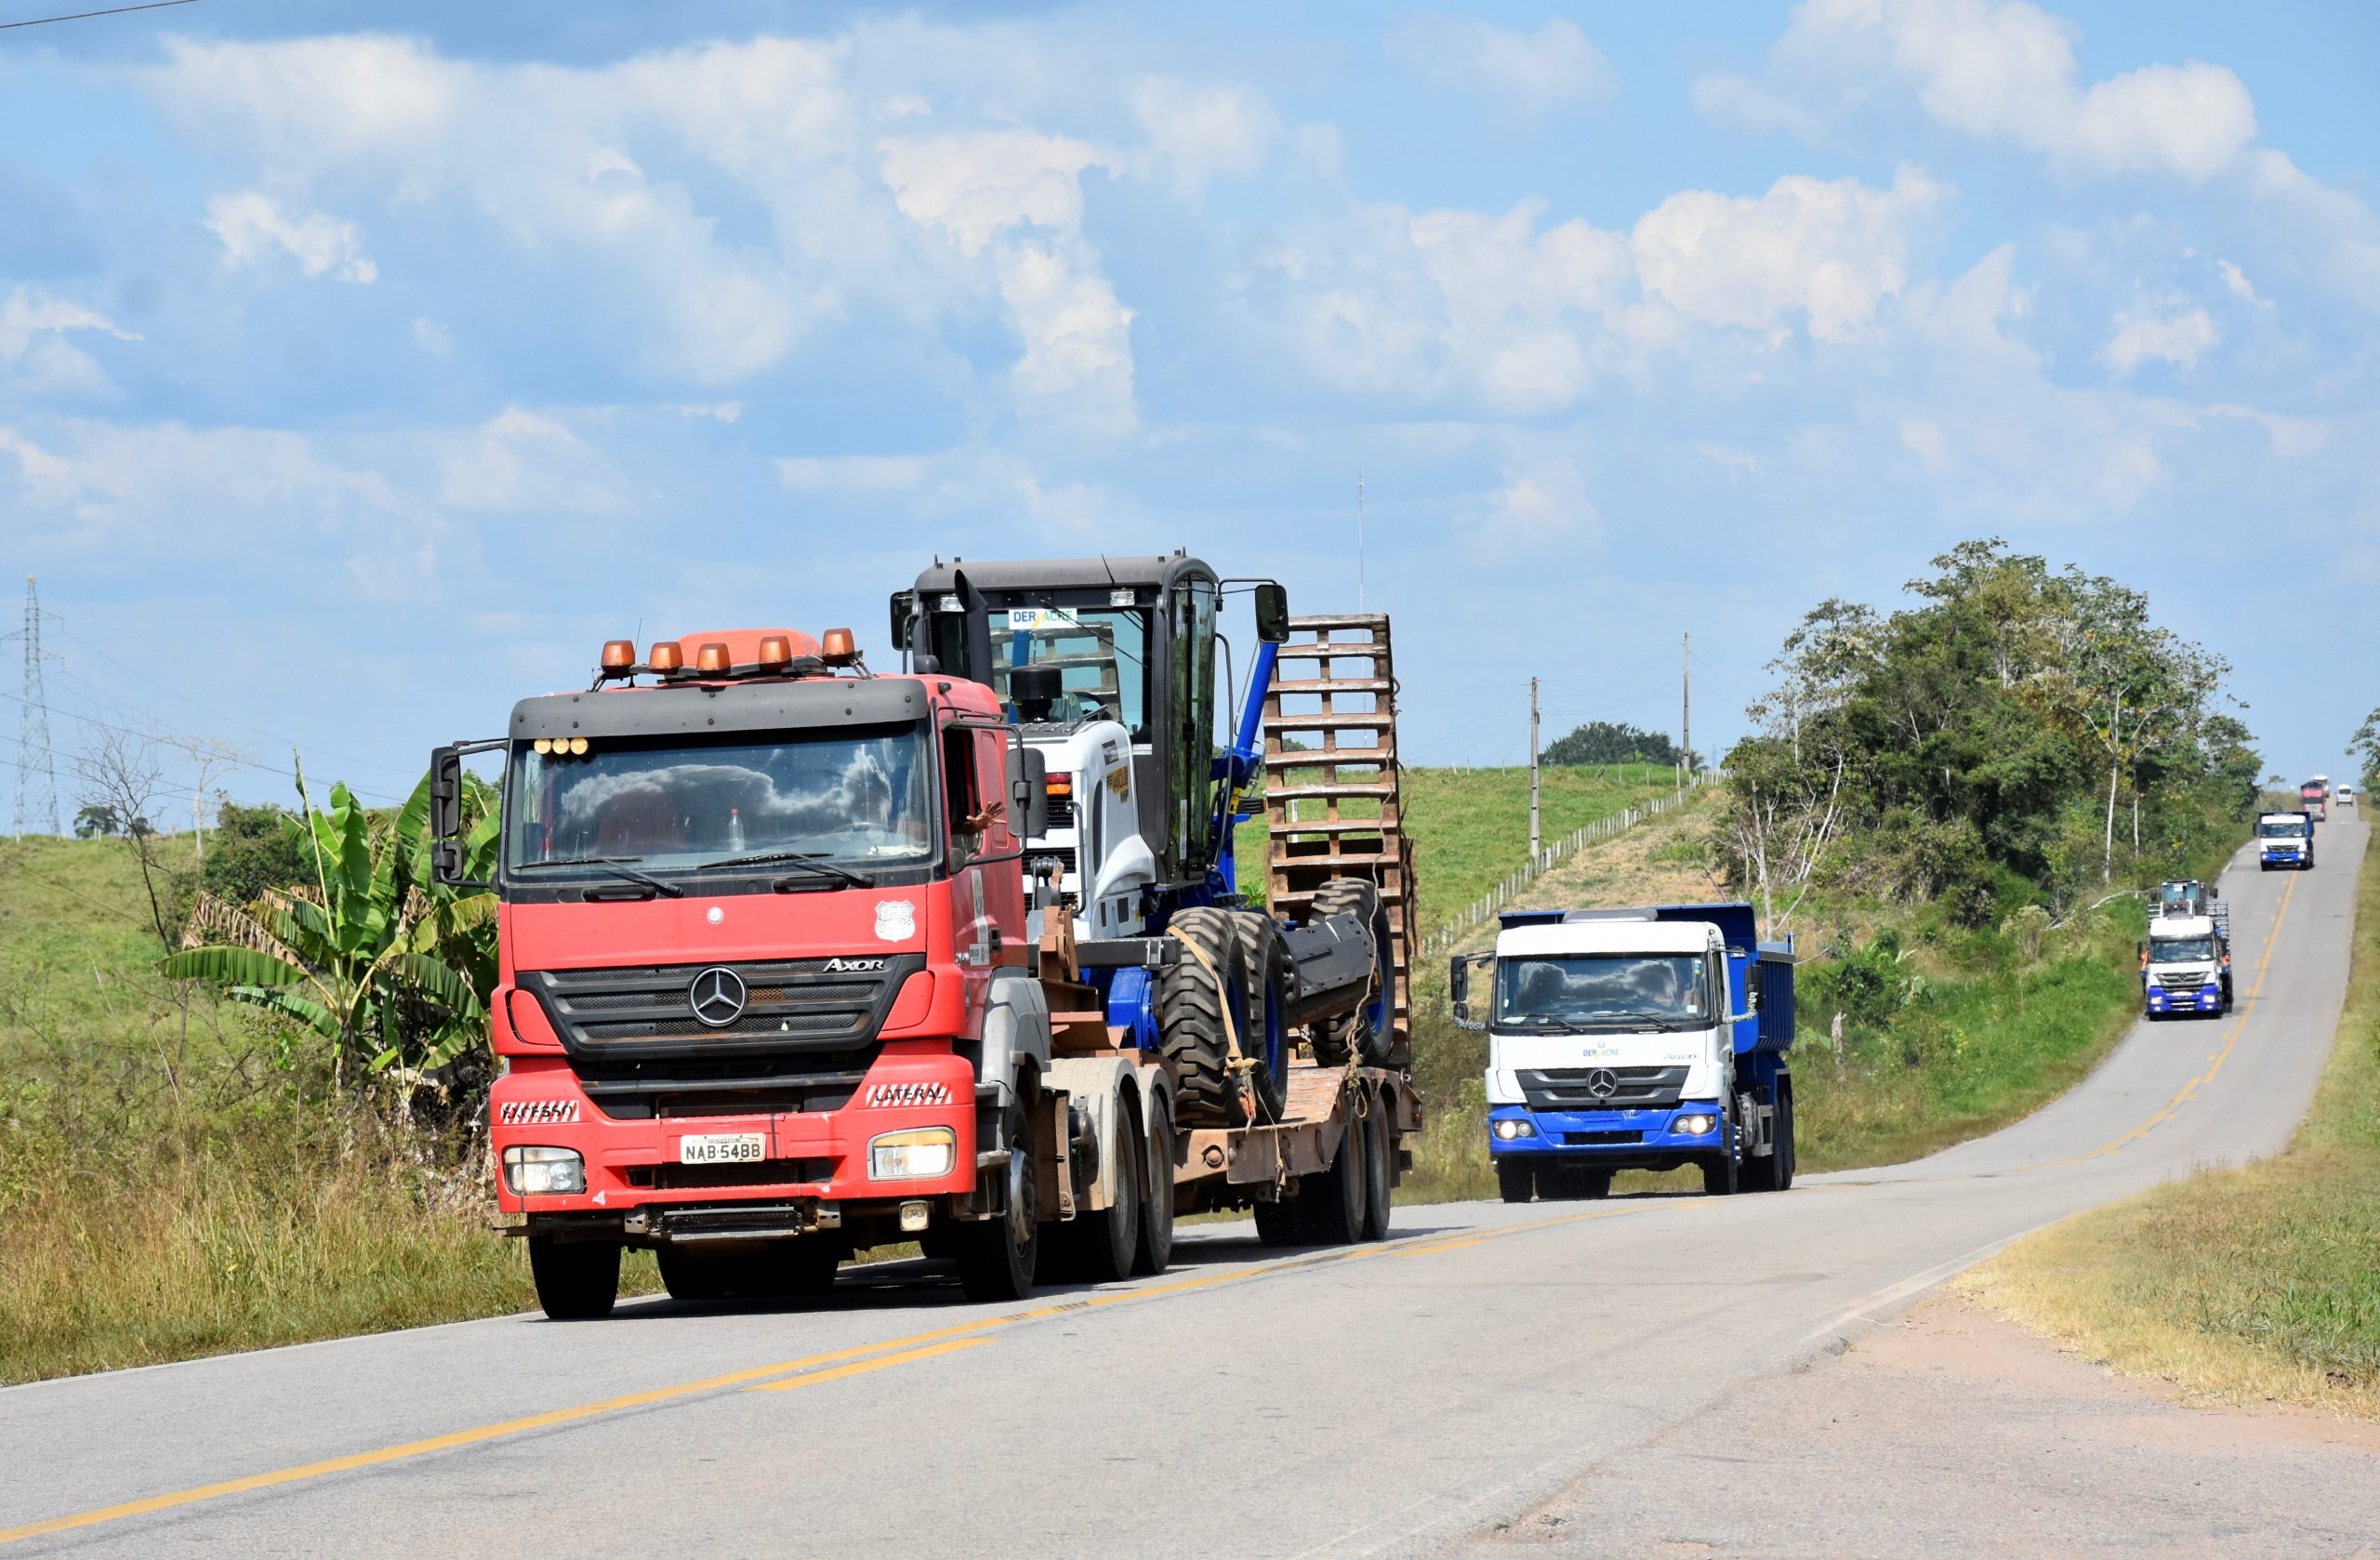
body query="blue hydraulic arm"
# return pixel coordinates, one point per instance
(1236, 767)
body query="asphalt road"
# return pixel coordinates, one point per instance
(1414, 1397)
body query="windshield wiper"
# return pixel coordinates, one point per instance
(620, 867)
(808, 860)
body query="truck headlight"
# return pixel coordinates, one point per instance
(1511, 1127)
(532, 1172)
(918, 1154)
(1693, 1126)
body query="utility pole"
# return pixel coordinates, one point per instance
(1685, 717)
(1359, 540)
(36, 765)
(1535, 846)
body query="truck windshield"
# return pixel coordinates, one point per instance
(1601, 990)
(1101, 654)
(2180, 950)
(858, 798)
(2282, 828)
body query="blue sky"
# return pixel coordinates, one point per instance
(362, 368)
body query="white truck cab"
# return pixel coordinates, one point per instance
(1646, 1039)
(2285, 840)
(2186, 967)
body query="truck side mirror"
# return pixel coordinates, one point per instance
(446, 816)
(1458, 988)
(905, 607)
(1028, 792)
(1272, 613)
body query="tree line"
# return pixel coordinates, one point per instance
(2018, 735)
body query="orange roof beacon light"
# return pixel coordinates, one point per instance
(712, 658)
(776, 650)
(620, 655)
(837, 647)
(668, 656)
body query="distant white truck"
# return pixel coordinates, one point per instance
(2185, 966)
(2285, 840)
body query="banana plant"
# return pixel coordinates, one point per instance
(374, 955)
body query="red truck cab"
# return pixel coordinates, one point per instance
(751, 899)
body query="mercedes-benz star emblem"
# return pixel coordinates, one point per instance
(1602, 1084)
(718, 997)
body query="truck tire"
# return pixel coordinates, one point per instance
(577, 1281)
(1271, 978)
(1156, 1250)
(1775, 1173)
(1333, 1201)
(1107, 1242)
(1369, 1031)
(1517, 1178)
(1280, 1222)
(1573, 1182)
(1721, 1175)
(1380, 1146)
(805, 1269)
(687, 1276)
(1190, 1019)
(998, 1257)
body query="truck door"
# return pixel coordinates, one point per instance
(1190, 773)
(987, 899)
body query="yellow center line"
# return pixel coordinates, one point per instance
(807, 1371)
(2231, 1039)
(794, 1383)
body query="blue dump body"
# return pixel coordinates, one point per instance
(1644, 1130)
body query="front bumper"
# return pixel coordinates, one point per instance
(814, 1163)
(2283, 858)
(1619, 1137)
(2207, 998)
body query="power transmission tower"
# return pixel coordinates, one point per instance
(1685, 735)
(1535, 845)
(37, 804)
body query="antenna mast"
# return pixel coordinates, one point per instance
(36, 805)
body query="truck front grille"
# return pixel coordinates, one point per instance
(1577, 1088)
(696, 1084)
(761, 1172)
(648, 1012)
(2185, 983)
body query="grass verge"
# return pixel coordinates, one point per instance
(2261, 1283)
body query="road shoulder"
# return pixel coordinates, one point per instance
(1952, 1431)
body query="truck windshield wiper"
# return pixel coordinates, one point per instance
(620, 867)
(807, 861)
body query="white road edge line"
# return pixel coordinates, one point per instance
(1892, 1294)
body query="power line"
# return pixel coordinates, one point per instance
(85, 16)
(171, 741)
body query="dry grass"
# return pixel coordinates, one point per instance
(2245, 1285)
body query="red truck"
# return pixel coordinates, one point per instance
(771, 990)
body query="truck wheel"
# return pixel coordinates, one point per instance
(1789, 1155)
(687, 1276)
(1721, 1176)
(1108, 1241)
(576, 1281)
(1190, 1018)
(1333, 1201)
(1516, 1180)
(1156, 1251)
(1271, 977)
(1369, 1031)
(1279, 1224)
(1380, 1146)
(806, 1268)
(997, 1257)
(1773, 1173)
(1573, 1184)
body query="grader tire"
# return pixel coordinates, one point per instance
(1190, 1018)
(1265, 955)
(1333, 1039)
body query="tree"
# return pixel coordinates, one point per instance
(97, 819)
(1602, 742)
(2365, 745)
(121, 775)
(372, 954)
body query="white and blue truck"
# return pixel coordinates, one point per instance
(2285, 840)
(1646, 1039)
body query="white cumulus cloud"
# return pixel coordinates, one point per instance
(1203, 134)
(1524, 72)
(253, 230)
(1999, 70)
(1828, 250)
(2172, 335)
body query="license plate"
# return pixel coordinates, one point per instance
(720, 1149)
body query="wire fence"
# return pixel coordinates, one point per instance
(1484, 909)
